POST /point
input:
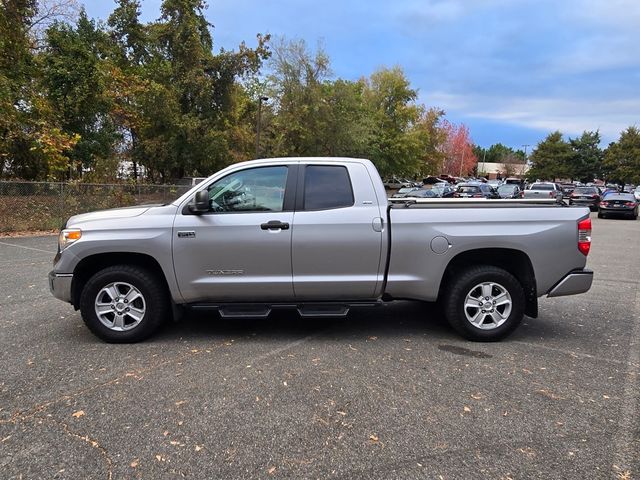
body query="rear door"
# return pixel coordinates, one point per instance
(338, 233)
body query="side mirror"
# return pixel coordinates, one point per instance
(200, 203)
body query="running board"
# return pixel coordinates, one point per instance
(305, 310)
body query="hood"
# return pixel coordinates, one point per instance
(125, 212)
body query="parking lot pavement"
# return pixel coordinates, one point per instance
(387, 393)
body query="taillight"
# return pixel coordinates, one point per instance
(584, 236)
(477, 195)
(552, 194)
(604, 204)
(630, 204)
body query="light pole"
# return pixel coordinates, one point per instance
(462, 161)
(258, 121)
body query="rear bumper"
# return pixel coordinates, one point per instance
(60, 285)
(577, 281)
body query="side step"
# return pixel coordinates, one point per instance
(323, 310)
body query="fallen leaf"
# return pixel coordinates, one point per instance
(284, 383)
(374, 438)
(476, 396)
(373, 338)
(466, 409)
(165, 433)
(135, 462)
(198, 448)
(180, 402)
(271, 470)
(78, 414)
(160, 458)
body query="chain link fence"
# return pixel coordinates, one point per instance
(28, 206)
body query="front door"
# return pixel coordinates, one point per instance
(241, 249)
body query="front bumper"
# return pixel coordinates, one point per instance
(60, 285)
(577, 281)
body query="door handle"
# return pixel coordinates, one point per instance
(275, 225)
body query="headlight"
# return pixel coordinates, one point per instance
(68, 236)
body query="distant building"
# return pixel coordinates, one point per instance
(493, 171)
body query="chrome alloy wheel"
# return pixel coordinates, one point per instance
(487, 305)
(120, 306)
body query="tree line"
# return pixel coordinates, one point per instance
(79, 98)
(583, 159)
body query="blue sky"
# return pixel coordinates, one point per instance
(511, 70)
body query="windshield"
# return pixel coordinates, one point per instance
(506, 188)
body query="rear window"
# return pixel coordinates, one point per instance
(627, 197)
(327, 186)
(469, 189)
(585, 190)
(542, 186)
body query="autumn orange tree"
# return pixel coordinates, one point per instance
(458, 155)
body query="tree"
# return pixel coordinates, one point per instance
(551, 158)
(586, 163)
(31, 143)
(622, 158)
(74, 79)
(459, 158)
(395, 148)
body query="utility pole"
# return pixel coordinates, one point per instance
(525, 153)
(258, 121)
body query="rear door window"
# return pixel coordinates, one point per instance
(327, 187)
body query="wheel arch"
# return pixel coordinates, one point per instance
(513, 261)
(94, 263)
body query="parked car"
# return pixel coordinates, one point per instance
(585, 197)
(494, 183)
(628, 188)
(423, 193)
(636, 193)
(567, 189)
(618, 204)
(475, 190)
(405, 191)
(543, 190)
(318, 235)
(509, 191)
(394, 183)
(443, 190)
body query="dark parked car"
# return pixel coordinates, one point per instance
(443, 190)
(618, 204)
(567, 189)
(475, 190)
(585, 197)
(509, 191)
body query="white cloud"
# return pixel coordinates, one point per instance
(570, 116)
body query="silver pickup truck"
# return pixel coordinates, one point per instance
(320, 236)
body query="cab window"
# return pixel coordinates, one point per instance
(253, 190)
(327, 187)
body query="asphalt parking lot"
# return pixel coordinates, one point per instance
(387, 393)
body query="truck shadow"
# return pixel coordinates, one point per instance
(394, 320)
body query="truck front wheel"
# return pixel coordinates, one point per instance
(123, 304)
(484, 303)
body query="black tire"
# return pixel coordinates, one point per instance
(155, 303)
(600, 215)
(463, 284)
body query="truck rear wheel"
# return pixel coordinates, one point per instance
(484, 303)
(123, 304)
